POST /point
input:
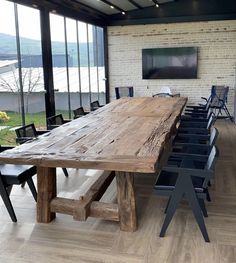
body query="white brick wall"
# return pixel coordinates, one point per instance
(216, 42)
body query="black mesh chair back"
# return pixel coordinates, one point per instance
(124, 92)
(55, 120)
(79, 112)
(26, 131)
(219, 95)
(95, 105)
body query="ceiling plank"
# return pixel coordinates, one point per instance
(115, 6)
(135, 4)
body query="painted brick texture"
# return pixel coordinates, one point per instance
(216, 43)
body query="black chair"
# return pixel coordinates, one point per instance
(55, 121)
(216, 102)
(79, 112)
(95, 105)
(10, 175)
(219, 100)
(196, 116)
(29, 132)
(124, 92)
(197, 124)
(198, 145)
(186, 178)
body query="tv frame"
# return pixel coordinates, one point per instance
(154, 75)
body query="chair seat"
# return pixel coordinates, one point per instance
(167, 180)
(16, 174)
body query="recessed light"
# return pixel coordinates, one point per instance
(35, 6)
(54, 11)
(123, 13)
(157, 5)
(111, 6)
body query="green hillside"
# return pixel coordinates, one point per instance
(33, 47)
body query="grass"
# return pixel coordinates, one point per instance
(9, 137)
(39, 119)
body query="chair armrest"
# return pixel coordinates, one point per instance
(40, 132)
(188, 171)
(195, 136)
(204, 98)
(194, 157)
(22, 140)
(193, 130)
(195, 124)
(52, 126)
(195, 114)
(191, 145)
(66, 120)
(6, 147)
(193, 107)
(193, 118)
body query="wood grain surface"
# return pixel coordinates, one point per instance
(126, 135)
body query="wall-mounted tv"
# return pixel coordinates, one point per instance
(169, 63)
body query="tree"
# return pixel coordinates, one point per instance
(31, 79)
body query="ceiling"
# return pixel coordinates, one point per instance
(112, 7)
(130, 12)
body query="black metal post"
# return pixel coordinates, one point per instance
(21, 90)
(47, 63)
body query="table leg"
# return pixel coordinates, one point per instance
(126, 201)
(47, 190)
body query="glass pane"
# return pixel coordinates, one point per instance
(57, 28)
(72, 49)
(92, 38)
(32, 68)
(10, 110)
(84, 62)
(101, 65)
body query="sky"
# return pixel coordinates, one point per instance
(29, 24)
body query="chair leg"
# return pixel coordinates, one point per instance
(7, 201)
(203, 207)
(227, 113)
(23, 185)
(167, 205)
(193, 201)
(65, 172)
(174, 200)
(208, 197)
(32, 188)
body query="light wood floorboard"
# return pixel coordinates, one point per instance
(95, 241)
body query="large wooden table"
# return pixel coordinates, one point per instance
(125, 137)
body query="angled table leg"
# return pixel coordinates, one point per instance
(126, 201)
(46, 179)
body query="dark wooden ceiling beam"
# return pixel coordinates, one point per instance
(135, 4)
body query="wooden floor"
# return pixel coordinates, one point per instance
(65, 240)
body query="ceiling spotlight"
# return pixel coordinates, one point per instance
(157, 5)
(123, 13)
(111, 6)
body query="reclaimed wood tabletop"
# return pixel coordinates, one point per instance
(125, 135)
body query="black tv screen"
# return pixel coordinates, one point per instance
(169, 63)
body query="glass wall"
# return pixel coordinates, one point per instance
(78, 67)
(78, 64)
(21, 79)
